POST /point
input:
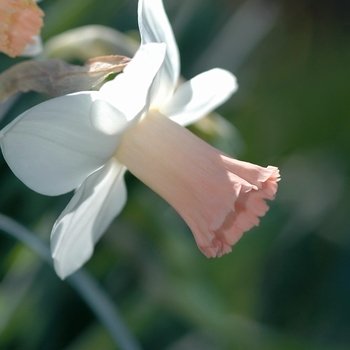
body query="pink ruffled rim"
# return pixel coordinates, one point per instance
(245, 213)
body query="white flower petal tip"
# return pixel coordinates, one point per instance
(155, 28)
(225, 79)
(201, 95)
(218, 197)
(95, 204)
(20, 22)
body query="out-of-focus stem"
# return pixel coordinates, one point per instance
(88, 289)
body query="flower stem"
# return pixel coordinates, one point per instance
(88, 289)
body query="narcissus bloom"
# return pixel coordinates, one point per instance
(87, 140)
(20, 24)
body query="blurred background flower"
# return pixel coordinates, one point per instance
(286, 283)
(20, 24)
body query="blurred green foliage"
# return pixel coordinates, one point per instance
(286, 284)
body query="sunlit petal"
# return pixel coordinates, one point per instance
(129, 91)
(155, 27)
(95, 204)
(53, 147)
(106, 118)
(200, 95)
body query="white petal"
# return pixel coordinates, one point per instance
(200, 95)
(155, 27)
(53, 147)
(95, 204)
(35, 48)
(107, 119)
(129, 91)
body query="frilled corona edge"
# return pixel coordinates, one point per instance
(20, 22)
(245, 211)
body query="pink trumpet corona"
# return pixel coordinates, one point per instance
(218, 197)
(20, 21)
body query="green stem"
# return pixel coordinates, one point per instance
(88, 289)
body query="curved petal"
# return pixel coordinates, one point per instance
(53, 147)
(200, 95)
(155, 27)
(129, 91)
(95, 204)
(107, 119)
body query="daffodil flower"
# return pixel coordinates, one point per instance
(20, 24)
(87, 140)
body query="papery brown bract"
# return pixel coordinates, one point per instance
(56, 77)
